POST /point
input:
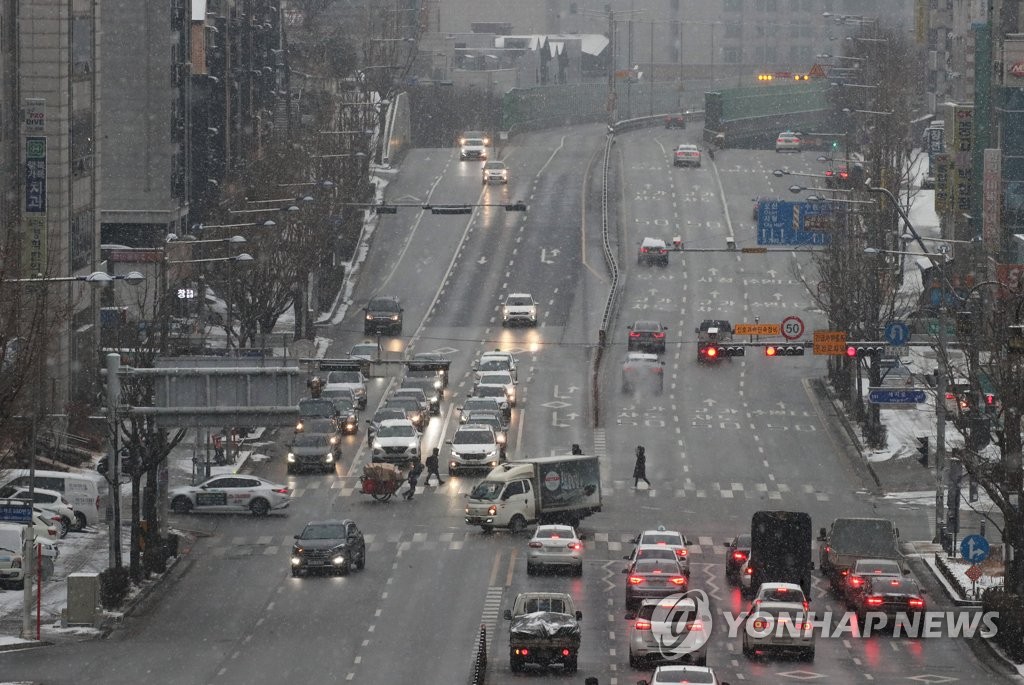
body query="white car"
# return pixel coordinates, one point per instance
(397, 441)
(686, 155)
(503, 378)
(47, 525)
(778, 627)
(474, 446)
(367, 351)
(676, 617)
(495, 172)
(47, 500)
(519, 308)
(472, 148)
(554, 545)
(233, 492)
(683, 674)
(348, 380)
(497, 361)
(672, 539)
(12, 561)
(787, 141)
(780, 592)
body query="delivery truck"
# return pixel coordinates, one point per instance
(781, 545)
(558, 489)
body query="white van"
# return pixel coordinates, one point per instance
(87, 492)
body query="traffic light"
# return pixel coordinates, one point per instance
(732, 350)
(922, 451)
(972, 490)
(710, 352)
(965, 323)
(865, 349)
(784, 351)
(835, 144)
(979, 432)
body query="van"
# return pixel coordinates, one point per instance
(87, 492)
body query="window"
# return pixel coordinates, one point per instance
(513, 489)
(83, 225)
(732, 5)
(732, 55)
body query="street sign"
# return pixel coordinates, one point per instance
(974, 548)
(792, 327)
(974, 573)
(757, 329)
(831, 343)
(16, 510)
(896, 395)
(897, 333)
(782, 223)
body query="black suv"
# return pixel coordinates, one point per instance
(383, 315)
(333, 546)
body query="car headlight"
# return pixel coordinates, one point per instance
(492, 453)
(441, 372)
(533, 312)
(296, 561)
(330, 457)
(299, 426)
(394, 317)
(291, 457)
(369, 317)
(338, 560)
(501, 439)
(377, 448)
(334, 439)
(437, 385)
(456, 455)
(413, 447)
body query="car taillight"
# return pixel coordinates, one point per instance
(845, 572)
(522, 651)
(678, 580)
(281, 491)
(828, 173)
(643, 250)
(695, 625)
(916, 603)
(827, 549)
(805, 626)
(949, 395)
(750, 571)
(566, 652)
(659, 335)
(642, 625)
(874, 601)
(536, 545)
(574, 545)
(634, 334)
(739, 556)
(855, 581)
(843, 175)
(711, 352)
(635, 580)
(807, 605)
(760, 624)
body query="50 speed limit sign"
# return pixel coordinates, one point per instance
(792, 327)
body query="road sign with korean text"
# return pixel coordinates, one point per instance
(830, 343)
(757, 329)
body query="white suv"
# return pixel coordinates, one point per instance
(472, 148)
(397, 441)
(474, 446)
(519, 308)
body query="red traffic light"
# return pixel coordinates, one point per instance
(771, 351)
(990, 399)
(851, 351)
(711, 351)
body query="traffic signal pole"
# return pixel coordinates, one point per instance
(940, 414)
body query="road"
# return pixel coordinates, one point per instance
(722, 441)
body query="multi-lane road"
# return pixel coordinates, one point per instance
(722, 441)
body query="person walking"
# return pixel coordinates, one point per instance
(432, 464)
(414, 476)
(640, 467)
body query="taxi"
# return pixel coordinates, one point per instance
(231, 493)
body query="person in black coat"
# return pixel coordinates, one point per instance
(432, 465)
(414, 476)
(640, 467)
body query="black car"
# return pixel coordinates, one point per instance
(427, 364)
(382, 414)
(647, 336)
(330, 546)
(312, 451)
(430, 387)
(890, 596)
(737, 551)
(675, 121)
(329, 427)
(348, 410)
(383, 315)
(315, 408)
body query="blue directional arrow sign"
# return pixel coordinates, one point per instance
(897, 333)
(783, 223)
(895, 396)
(974, 549)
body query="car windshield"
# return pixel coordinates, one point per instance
(414, 393)
(519, 301)
(489, 391)
(323, 531)
(674, 613)
(495, 378)
(494, 165)
(403, 403)
(661, 539)
(472, 437)
(344, 377)
(743, 541)
(385, 414)
(383, 306)
(314, 426)
(655, 553)
(678, 675)
(888, 568)
(487, 490)
(486, 419)
(655, 566)
(473, 141)
(316, 407)
(401, 430)
(781, 594)
(555, 532)
(479, 403)
(344, 405)
(646, 326)
(303, 440)
(493, 365)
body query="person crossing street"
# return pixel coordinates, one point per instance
(432, 466)
(640, 467)
(414, 475)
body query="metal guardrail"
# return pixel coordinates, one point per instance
(644, 122)
(479, 675)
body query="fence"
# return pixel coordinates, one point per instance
(479, 675)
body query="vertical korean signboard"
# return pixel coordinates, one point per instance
(990, 203)
(34, 247)
(963, 143)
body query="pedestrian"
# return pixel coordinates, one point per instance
(640, 467)
(576, 449)
(414, 476)
(432, 464)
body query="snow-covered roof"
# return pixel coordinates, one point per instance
(198, 10)
(590, 43)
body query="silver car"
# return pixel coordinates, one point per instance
(778, 626)
(555, 545)
(656, 618)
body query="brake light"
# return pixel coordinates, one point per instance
(845, 572)
(281, 491)
(949, 395)
(843, 174)
(739, 556)
(678, 580)
(695, 625)
(874, 601)
(635, 580)
(827, 548)
(574, 545)
(855, 581)
(749, 571)
(565, 652)
(783, 590)
(659, 335)
(828, 172)
(522, 651)
(681, 553)
(807, 605)
(642, 625)
(536, 545)
(805, 626)
(916, 603)
(634, 334)
(760, 624)
(711, 352)
(643, 250)
(555, 536)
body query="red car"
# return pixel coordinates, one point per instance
(675, 121)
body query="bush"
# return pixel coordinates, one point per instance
(1010, 624)
(114, 584)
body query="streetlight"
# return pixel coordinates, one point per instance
(779, 173)
(96, 278)
(243, 258)
(799, 189)
(847, 110)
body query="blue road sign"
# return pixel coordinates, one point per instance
(16, 512)
(895, 396)
(974, 549)
(782, 223)
(897, 334)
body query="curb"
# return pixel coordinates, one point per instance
(934, 562)
(27, 644)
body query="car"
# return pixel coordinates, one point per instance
(47, 500)
(686, 155)
(412, 407)
(780, 592)
(653, 579)
(652, 251)
(382, 315)
(669, 539)
(312, 451)
(497, 361)
(232, 492)
(418, 395)
(329, 428)
(519, 308)
(499, 393)
(787, 141)
(496, 423)
(683, 674)
(647, 336)
(397, 441)
(367, 351)
(472, 148)
(353, 380)
(430, 364)
(643, 370)
(650, 552)
(334, 546)
(482, 135)
(836, 177)
(473, 446)
(863, 569)
(554, 546)
(737, 551)
(675, 121)
(315, 408)
(502, 378)
(495, 172)
(46, 524)
(746, 579)
(429, 387)
(382, 414)
(473, 404)
(348, 413)
(12, 561)
(765, 630)
(656, 618)
(890, 596)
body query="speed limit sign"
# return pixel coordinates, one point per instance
(792, 327)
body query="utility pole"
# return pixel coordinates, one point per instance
(113, 362)
(940, 415)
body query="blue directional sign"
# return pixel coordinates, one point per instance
(974, 548)
(897, 333)
(15, 511)
(789, 223)
(896, 396)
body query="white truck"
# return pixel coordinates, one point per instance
(558, 489)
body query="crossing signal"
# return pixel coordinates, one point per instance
(922, 451)
(784, 351)
(861, 350)
(990, 403)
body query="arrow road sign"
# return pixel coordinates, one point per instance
(896, 395)
(897, 334)
(974, 549)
